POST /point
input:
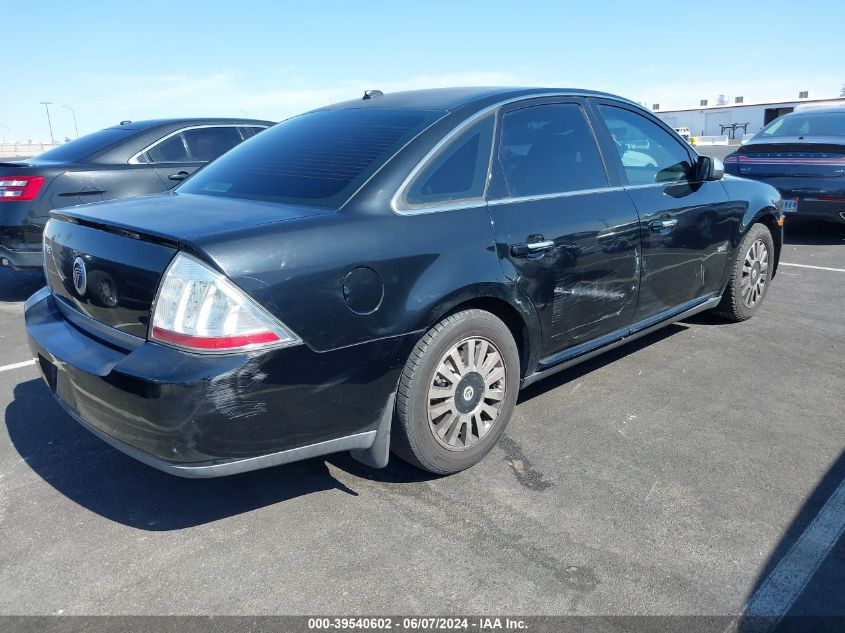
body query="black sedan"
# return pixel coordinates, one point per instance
(387, 274)
(802, 154)
(130, 159)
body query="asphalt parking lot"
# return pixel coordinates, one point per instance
(678, 475)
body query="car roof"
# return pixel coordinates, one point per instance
(825, 110)
(155, 123)
(449, 99)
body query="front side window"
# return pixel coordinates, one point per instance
(207, 143)
(458, 171)
(317, 159)
(170, 150)
(649, 154)
(548, 149)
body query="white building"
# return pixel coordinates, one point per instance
(709, 117)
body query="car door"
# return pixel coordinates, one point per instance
(566, 233)
(181, 153)
(685, 223)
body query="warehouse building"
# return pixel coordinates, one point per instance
(736, 117)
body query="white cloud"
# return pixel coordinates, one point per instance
(225, 94)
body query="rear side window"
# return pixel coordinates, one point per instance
(548, 149)
(649, 154)
(458, 171)
(171, 150)
(316, 159)
(207, 143)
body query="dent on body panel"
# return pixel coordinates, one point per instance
(232, 393)
(588, 280)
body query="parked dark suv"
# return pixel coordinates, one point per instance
(131, 159)
(387, 274)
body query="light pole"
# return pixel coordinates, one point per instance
(74, 119)
(3, 130)
(47, 105)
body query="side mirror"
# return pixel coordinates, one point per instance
(709, 168)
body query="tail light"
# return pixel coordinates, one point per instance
(17, 188)
(199, 309)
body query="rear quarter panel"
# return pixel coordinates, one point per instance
(427, 264)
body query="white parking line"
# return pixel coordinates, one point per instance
(836, 270)
(784, 584)
(25, 363)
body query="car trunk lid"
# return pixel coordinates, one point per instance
(792, 157)
(106, 260)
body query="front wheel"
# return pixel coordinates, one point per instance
(750, 275)
(457, 392)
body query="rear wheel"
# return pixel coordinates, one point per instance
(750, 275)
(457, 392)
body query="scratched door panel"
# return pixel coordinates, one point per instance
(587, 285)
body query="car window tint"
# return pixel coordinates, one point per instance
(548, 149)
(319, 159)
(459, 171)
(251, 131)
(648, 153)
(171, 150)
(207, 143)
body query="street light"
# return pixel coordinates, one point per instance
(74, 119)
(4, 129)
(47, 105)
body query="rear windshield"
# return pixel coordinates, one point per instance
(809, 124)
(87, 145)
(316, 159)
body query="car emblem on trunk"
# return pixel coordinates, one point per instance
(80, 276)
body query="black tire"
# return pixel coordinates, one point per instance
(732, 306)
(413, 437)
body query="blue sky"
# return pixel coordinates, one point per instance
(111, 61)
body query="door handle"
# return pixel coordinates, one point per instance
(531, 248)
(181, 175)
(659, 225)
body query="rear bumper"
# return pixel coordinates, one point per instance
(20, 245)
(16, 258)
(814, 209)
(211, 415)
(811, 194)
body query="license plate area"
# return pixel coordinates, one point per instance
(790, 205)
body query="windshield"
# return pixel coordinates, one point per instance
(316, 159)
(87, 145)
(807, 124)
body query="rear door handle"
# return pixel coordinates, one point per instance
(660, 225)
(531, 248)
